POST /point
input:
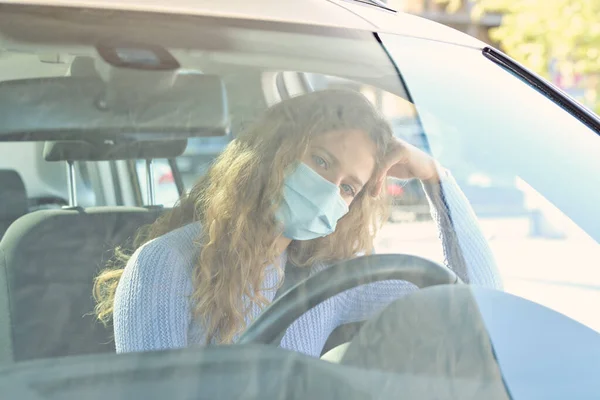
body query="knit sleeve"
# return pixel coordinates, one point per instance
(151, 310)
(466, 252)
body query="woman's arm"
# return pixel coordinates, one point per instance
(465, 248)
(151, 309)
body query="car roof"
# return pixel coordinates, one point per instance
(330, 13)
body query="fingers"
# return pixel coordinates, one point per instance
(395, 155)
(398, 154)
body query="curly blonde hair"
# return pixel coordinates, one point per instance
(236, 203)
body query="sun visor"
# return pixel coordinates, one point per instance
(136, 105)
(78, 150)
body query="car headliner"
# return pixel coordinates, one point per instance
(330, 13)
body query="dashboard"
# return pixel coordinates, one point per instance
(512, 349)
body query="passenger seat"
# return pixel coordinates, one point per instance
(49, 259)
(13, 198)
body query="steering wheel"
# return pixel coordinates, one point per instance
(272, 323)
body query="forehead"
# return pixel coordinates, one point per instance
(353, 149)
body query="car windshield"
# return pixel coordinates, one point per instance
(165, 179)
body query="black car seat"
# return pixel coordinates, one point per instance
(49, 258)
(13, 198)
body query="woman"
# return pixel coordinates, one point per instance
(301, 185)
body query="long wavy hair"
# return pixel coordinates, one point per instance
(236, 202)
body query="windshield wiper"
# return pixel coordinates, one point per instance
(376, 3)
(586, 116)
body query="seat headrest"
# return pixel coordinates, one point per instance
(13, 197)
(79, 150)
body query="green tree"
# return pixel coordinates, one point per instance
(538, 33)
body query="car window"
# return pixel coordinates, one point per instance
(198, 161)
(164, 186)
(199, 154)
(501, 156)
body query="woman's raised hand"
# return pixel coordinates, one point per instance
(405, 161)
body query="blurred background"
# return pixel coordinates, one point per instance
(558, 39)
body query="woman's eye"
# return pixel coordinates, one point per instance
(319, 161)
(348, 190)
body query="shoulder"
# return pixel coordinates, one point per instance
(166, 260)
(180, 247)
(151, 307)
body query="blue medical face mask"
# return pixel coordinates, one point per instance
(311, 205)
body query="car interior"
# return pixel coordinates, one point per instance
(52, 250)
(51, 256)
(13, 198)
(99, 136)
